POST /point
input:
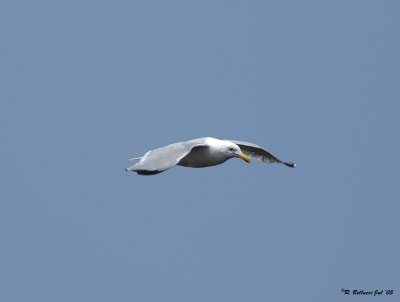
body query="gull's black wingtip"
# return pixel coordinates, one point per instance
(290, 164)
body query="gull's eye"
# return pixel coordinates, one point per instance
(231, 149)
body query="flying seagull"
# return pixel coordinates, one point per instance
(200, 153)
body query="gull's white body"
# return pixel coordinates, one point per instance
(200, 153)
(206, 157)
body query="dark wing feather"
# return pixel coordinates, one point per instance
(260, 153)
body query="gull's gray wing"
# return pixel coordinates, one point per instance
(260, 153)
(158, 160)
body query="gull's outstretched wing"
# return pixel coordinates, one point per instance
(260, 153)
(158, 160)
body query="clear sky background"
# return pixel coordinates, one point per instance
(85, 85)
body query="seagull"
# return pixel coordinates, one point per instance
(200, 153)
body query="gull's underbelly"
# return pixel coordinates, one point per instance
(202, 157)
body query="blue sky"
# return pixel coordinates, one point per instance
(88, 84)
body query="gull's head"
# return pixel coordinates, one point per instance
(233, 150)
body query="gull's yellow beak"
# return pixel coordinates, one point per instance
(244, 157)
